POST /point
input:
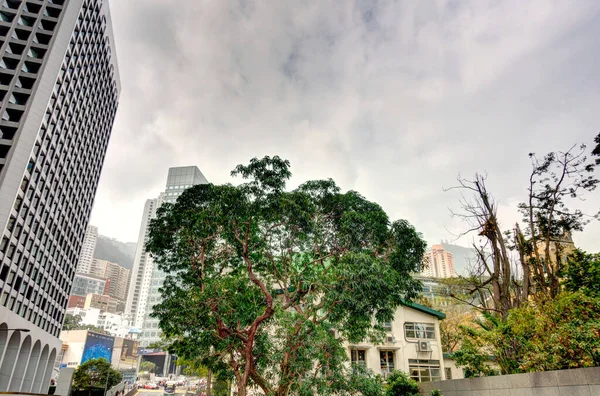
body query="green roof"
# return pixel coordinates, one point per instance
(423, 308)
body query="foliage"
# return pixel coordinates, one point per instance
(400, 384)
(71, 322)
(147, 366)
(473, 360)
(192, 367)
(435, 392)
(94, 374)
(265, 284)
(550, 214)
(545, 334)
(555, 181)
(559, 333)
(365, 382)
(450, 328)
(582, 273)
(596, 151)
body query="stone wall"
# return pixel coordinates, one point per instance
(576, 382)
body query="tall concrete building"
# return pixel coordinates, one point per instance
(144, 276)
(86, 256)
(438, 263)
(119, 277)
(59, 90)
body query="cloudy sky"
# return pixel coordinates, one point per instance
(392, 98)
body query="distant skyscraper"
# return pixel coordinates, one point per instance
(119, 277)
(59, 88)
(438, 263)
(86, 256)
(145, 279)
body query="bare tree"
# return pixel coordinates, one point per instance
(554, 179)
(480, 213)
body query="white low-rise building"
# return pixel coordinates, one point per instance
(412, 344)
(89, 316)
(117, 325)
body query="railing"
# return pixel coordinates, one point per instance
(123, 389)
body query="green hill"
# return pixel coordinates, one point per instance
(115, 251)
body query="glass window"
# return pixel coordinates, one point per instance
(386, 359)
(424, 331)
(424, 370)
(357, 356)
(387, 326)
(448, 372)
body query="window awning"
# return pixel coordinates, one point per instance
(388, 348)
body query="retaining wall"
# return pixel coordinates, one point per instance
(576, 382)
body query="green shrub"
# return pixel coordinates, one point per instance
(436, 392)
(400, 384)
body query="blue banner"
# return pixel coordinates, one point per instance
(98, 346)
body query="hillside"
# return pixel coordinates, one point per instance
(115, 251)
(462, 257)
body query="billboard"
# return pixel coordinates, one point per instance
(125, 353)
(97, 346)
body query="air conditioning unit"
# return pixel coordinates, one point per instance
(390, 339)
(424, 346)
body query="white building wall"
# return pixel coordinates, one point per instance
(86, 256)
(142, 263)
(403, 349)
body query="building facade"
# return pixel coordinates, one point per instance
(76, 302)
(118, 276)
(59, 87)
(438, 263)
(143, 286)
(86, 257)
(84, 284)
(103, 302)
(412, 344)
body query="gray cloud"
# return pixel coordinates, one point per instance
(394, 99)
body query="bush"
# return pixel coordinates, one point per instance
(400, 384)
(436, 392)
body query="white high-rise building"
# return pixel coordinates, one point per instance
(86, 257)
(143, 285)
(438, 263)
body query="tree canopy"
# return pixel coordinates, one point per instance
(545, 334)
(265, 284)
(582, 273)
(73, 322)
(94, 373)
(147, 366)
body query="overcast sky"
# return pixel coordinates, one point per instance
(390, 98)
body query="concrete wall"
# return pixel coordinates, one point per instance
(576, 382)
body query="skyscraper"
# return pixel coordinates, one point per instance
(59, 87)
(438, 263)
(119, 277)
(86, 256)
(145, 278)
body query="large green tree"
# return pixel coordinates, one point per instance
(265, 284)
(95, 374)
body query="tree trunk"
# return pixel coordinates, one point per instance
(241, 389)
(520, 242)
(209, 383)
